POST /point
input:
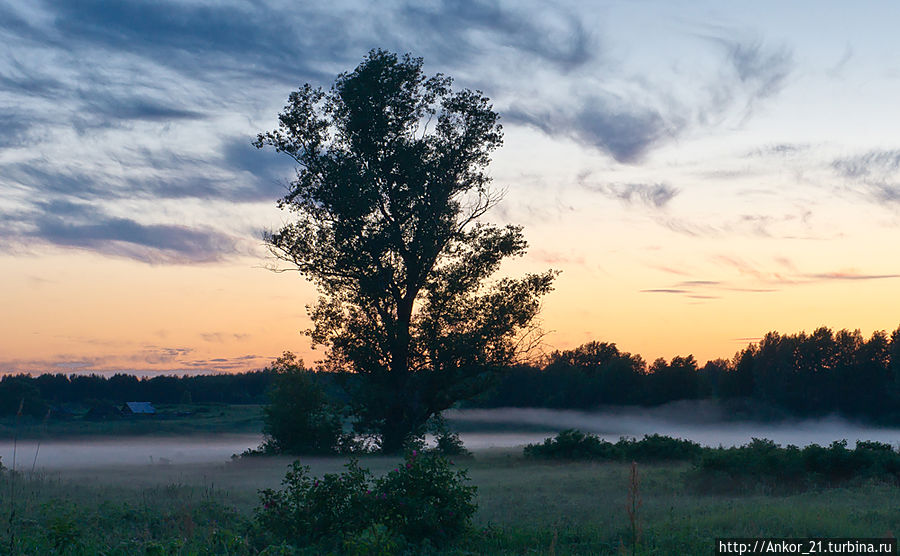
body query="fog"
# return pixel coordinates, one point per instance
(701, 422)
(481, 429)
(52, 454)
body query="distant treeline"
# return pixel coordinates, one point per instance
(799, 374)
(38, 394)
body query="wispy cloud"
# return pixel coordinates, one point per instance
(629, 126)
(221, 337)
(875, 170)
(849, 275)
(655, 195)
(877, 164)
(70, 224)
(624, 132)
(461, 29)
(763, 70)
(781, 150)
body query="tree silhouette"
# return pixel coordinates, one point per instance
(389, 190)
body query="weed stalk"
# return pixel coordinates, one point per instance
(10, 529)
(633, 505)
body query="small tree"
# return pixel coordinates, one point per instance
(299, 417)
(389, 191)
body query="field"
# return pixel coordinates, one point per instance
(525, 507)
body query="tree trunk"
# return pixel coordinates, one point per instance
(397, 425)
(394, 434)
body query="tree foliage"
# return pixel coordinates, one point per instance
(390, 188)
(808, 374)
(299, 419)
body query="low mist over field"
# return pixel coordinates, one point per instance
(698, 421)
(132, 450)
(481, 429)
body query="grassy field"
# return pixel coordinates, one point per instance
(525, 507)
(171, 419)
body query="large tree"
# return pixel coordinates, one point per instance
(390, 189)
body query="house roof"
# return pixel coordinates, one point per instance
(140, 407)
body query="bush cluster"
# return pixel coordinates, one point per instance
(760, 463)
(573, 444)
(422, 500)
(763, 462)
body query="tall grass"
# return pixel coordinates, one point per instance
(526, 506)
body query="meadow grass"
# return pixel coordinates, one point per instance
(525, 507)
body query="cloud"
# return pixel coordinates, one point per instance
(837, 70)
(656, 195)
(692, 229)
(261, 39)
(876, 170)
(762, 70)
(16, 130)
(625, 132)
(149, 361)
(765, 277)
(781, 150)
(459, 28)
(877, 164)
(265, 171)
(162, 355)
(137, 107)
(69, 224)
(221, 337)
(627, 126)
(789, 225)
(850, 275)
(664, 290)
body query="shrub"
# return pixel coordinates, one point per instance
(299, 419)
(308, 510)
(656, 447)
(447, 442)
(422, 500)
(573, 444)
(425, 499)
(764, 463)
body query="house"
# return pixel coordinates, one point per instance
(102, 411)
(138, 408)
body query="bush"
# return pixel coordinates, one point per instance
(300, 419)
(656, 447)
(447, 442)
(422, 500)
(307, 510)
(762, 463)
(425, 499)
(573, 444)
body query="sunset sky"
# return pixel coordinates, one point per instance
(701, 173)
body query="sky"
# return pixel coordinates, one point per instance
(700, 172)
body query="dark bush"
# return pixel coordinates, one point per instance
(425, 499)
(300, 419)
(307, 511)
(573, 445)
(421, 501)
(764, 464)
(656, 447)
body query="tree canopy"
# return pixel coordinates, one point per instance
(390, 189)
